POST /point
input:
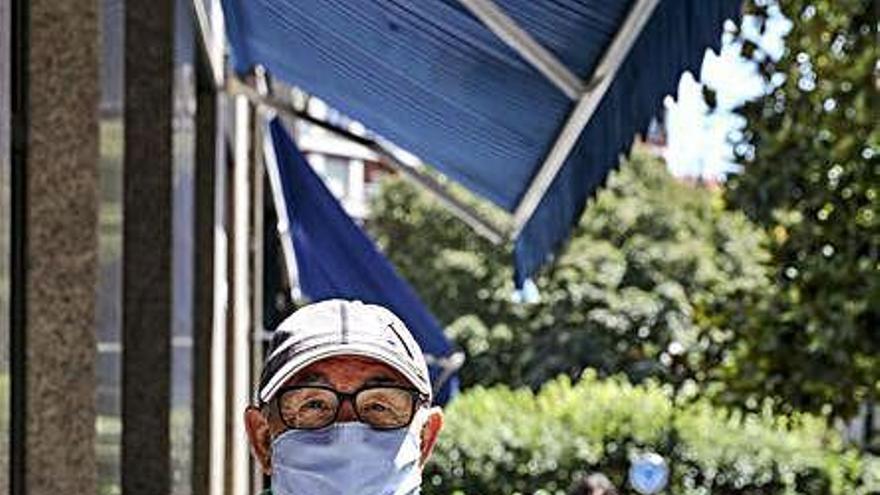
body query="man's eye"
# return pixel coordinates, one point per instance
(315, 404)
(376, 407)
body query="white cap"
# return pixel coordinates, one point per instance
(339, 327)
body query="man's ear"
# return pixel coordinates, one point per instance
(257, 426)
(430, 431)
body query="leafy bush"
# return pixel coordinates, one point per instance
(504, 441)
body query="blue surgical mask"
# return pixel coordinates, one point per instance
(347, 459)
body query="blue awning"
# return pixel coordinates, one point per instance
(431, 77)
(334, 258)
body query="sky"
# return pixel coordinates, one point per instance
(698, 140)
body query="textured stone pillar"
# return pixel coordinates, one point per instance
(56, 206)
(147, 234)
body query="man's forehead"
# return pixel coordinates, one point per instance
(348, 371)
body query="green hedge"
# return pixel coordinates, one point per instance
(502, 441)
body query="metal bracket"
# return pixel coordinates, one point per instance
(520, 40)
(583, 111)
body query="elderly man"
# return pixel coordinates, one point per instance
(344, 404)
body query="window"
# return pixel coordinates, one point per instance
(108, 424)
(336, 175)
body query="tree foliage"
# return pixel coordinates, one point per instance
(811, 177)
(652, 284)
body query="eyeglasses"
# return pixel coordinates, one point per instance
(384, 407)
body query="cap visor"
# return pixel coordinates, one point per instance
(311, 356)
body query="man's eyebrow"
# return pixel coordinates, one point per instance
(383, 379)
(314, 378)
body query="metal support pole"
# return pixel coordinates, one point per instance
(255, 342)
(219, 334)
(210, 156)
(241, 301)
(211, 45)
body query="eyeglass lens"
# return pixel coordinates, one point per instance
(314, 407)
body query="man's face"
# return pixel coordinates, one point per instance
(346, 374)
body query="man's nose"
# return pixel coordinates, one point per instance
(346, 412)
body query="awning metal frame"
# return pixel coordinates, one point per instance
(283, 224)
(470, 216)
(232, 85)
(520, 40)
(587, 94)
(588, 98)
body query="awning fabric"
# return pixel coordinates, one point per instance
(430, 77)
(335, 258)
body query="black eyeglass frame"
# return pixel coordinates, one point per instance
(419, 399)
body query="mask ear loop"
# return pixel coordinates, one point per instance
(419, 421)
(421, 415)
